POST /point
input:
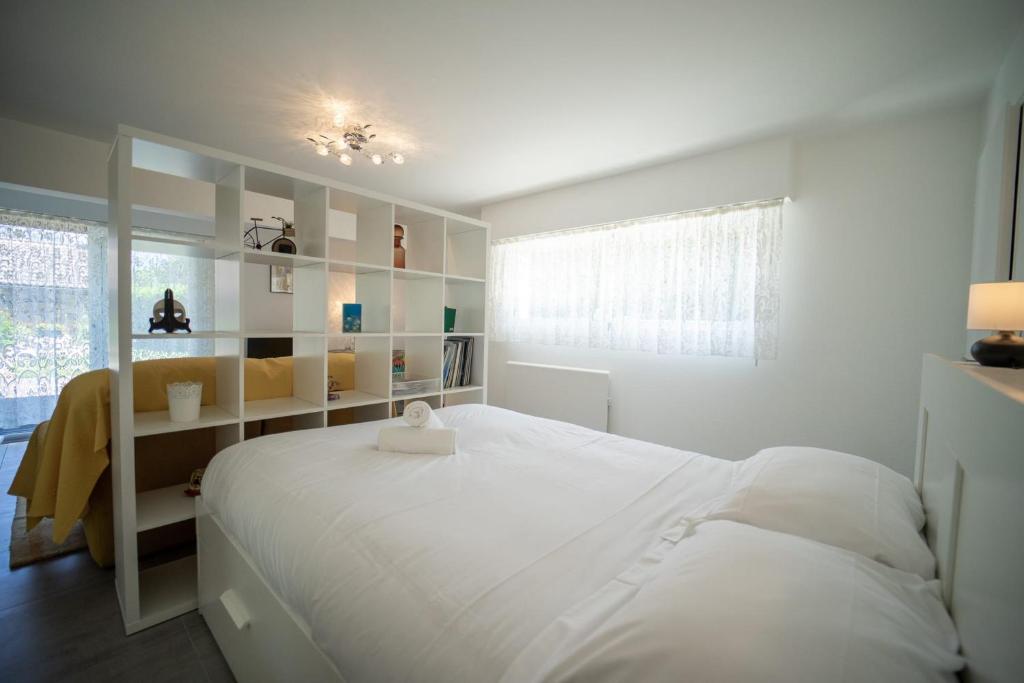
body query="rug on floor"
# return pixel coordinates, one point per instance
(28, 547)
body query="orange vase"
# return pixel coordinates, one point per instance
(399, 249)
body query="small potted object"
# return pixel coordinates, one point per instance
(183, 400)
(195, 483)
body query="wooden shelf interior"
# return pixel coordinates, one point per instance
(269, 194)
(363, 285)
(463, 395)
(468, 300)
(283, 423)
(417, 303)
(466, 250)
(424, 239)
(360, 229)
(342, 415)
(300, 311)
(398, 404)
(166, 591)
(422, 356)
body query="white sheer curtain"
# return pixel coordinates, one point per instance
(696, 283)
(53, 310)
(192, 281)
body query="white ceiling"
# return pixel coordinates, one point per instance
(492, 99)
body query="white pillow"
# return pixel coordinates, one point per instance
(835, 498)
(737, 603)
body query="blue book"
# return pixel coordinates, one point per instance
(351, 317)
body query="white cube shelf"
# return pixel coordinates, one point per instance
(466, 250)
(368, 286)
(468, 298)
(344, 239)
(424, 239)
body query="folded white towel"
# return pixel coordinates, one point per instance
(416, 440)
(420, 414)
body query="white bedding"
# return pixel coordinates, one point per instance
(411, 567)
(545, 551)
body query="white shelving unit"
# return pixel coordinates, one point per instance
(401, 309)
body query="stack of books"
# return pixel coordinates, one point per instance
(458, 361)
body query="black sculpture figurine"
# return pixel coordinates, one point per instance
(169, 315)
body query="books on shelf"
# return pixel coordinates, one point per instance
(458, 361)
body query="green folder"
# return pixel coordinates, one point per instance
(449, 319)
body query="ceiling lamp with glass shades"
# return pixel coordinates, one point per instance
(345, 141)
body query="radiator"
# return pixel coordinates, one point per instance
(575, 395)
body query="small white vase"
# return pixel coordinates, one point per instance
(183, 399)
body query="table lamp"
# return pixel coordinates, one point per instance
(997, 306)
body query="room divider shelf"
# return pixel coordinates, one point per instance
(273, 258)
(183, 336)
(358, 335)
(464, 389)
(159, 421)
(270, 408)
(278, 334)
(194, 248)
(416, 397)
(353, 398)
(262, 302)
(461, 278)
(167, 591)
(160, 507)
(355, 267)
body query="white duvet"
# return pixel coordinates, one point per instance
(501, 561)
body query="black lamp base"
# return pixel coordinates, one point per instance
(1003, 350)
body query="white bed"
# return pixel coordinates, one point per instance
(519, 558)
(455, 563)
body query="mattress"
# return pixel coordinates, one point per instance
(412, 567)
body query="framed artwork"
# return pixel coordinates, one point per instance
(281, 280)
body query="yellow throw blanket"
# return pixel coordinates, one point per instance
(64, 473)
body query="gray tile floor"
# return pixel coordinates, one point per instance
(59, 620)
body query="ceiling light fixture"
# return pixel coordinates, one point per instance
(344, 139)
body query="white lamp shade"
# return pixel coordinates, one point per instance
(996, 306)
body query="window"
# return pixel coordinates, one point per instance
(695, 283)
(53, 302)
(54, 308)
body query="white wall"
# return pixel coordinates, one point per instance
(994, 184)
(876, 262)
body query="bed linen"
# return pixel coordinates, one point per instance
(734, 602)
(445, 568)
(836, 498)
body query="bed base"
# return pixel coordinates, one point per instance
(260, 637)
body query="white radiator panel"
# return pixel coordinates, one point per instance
(575, 395)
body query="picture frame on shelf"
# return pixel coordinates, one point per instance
(281, 281)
